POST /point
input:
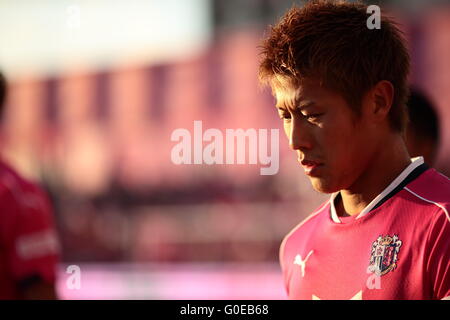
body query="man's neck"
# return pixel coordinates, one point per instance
(383, 169)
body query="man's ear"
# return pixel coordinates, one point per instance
(381, 96)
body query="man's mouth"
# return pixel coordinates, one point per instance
(311, 167)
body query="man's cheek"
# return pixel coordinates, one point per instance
(287, 132)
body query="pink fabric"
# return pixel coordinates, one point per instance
(341, 254)
(28, 244)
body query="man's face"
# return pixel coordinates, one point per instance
(332, 144)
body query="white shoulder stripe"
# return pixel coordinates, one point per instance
(446, 298)
(429, 201)
(415, 162)
(443, 175)
(283, 243)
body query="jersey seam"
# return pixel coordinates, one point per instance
(439, 209)
(439, 205)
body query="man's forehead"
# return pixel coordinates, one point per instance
(287, 96)
(290, 92)
(284, 88)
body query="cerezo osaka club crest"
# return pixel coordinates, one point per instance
(384, 254)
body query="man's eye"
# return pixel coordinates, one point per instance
(285, 116)
(313, 117)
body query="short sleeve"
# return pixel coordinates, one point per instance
(438, 266)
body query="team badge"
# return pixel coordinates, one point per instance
(384, 254)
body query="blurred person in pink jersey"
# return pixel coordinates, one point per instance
(341, 91)
(28, 242)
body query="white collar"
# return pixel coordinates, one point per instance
(415, 162)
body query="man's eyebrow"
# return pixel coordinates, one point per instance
(298, 105)
(305, 104)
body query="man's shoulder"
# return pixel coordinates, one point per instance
(302, 231)
(431, 190)
(309, 222)
(17, 190)
(432, 187)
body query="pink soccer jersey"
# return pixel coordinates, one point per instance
(398, 247)
(28, 244)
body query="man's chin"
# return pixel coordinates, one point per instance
(322, 185)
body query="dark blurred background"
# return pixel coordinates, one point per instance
(96, 89)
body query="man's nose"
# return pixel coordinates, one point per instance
(300, 136)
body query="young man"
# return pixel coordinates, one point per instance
(340, 90)
(28, 243)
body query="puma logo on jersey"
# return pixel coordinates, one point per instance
(302, 263)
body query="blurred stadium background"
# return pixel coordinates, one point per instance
(96, 89)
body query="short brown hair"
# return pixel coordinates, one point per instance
(330, 41)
